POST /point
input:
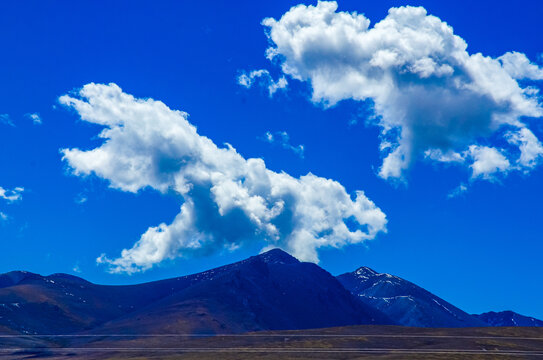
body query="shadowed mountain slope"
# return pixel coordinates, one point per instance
(61, 303)
(267, 292)
(270, 291)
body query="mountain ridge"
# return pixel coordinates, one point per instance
(508, 318)
(407, 303)
(269, 291)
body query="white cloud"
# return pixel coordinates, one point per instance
(81, 199)
(459, 190)
(530, 147)
(277, 85)
(11, 195)
(487, 161)
(520, 67)
(264, 78)
(283, 139)
(429, 95)
(445, 157)
(6, 120)
(35, 117)
(228, 200)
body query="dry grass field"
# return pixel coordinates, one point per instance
(345, 343)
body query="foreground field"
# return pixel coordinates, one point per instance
(354, 342)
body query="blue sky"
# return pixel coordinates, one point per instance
(480, 250)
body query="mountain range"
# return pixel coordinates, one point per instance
(271, 291)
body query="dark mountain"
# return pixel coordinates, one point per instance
(270, 291)
(508, 318)
(405, 302)
(62, 304)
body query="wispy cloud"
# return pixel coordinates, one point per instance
(35, 117)
(458, 191)
(263, 78)
(6, 120)
(282, 139)
(11, 195)
(81, 198)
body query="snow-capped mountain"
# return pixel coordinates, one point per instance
(405, 302)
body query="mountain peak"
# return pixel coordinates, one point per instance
(365, 272)
(277, 256)
(407, 303)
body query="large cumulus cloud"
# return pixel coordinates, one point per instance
(227, 200)
(432, 98)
